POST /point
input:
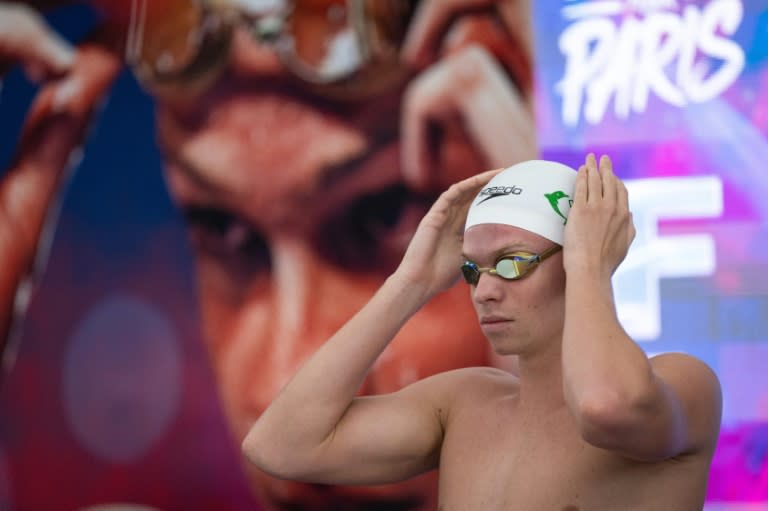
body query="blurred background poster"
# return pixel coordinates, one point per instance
(217, 185)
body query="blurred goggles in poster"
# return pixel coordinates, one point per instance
(337, 46)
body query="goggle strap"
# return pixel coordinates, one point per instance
(550, 251)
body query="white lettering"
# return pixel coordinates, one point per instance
(653, 257)
(724, 16)
(677, 57)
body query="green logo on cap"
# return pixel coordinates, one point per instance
(554, 199)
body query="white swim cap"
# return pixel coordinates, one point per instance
(534, 195)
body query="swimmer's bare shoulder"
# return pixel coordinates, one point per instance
(461, 390)
(495, 455)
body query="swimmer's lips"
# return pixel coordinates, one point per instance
(494, 322)
(489, 320)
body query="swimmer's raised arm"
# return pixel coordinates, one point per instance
(647, 410)
(316, 429)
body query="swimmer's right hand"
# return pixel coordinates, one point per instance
(431, 262)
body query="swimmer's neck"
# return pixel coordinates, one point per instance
(541, 381)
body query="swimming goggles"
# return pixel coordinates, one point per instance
(512, 266)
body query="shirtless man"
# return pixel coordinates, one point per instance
(589, 423)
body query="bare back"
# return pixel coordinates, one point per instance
(494, 457)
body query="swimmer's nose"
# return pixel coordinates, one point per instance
(487, 289)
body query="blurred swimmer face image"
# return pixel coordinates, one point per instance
(298, 208)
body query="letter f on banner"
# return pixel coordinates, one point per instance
(653, 257)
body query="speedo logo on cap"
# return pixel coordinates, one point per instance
(498, 191)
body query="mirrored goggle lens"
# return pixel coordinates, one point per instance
(510, 268)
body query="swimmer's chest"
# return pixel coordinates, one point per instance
(493, 459)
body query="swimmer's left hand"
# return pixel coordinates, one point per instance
(600, 228)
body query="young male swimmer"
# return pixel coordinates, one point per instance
(589, 423)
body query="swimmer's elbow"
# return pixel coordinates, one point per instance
(253, 448)
(596, 419)
(262, 451)
(607, 417)
(281, 456)
(636, 426)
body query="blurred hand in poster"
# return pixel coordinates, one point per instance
(71, 83)
(477, 72)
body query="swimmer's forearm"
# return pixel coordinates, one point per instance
(305, 413)
(607, 378)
